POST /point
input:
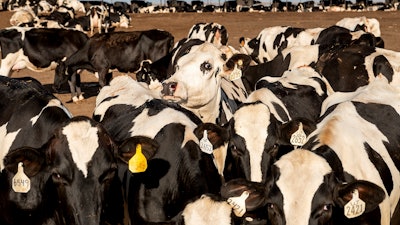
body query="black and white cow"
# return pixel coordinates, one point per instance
(103, 52)
(200, 81)
(59, 155)
(97, 14)
(212, 32)
(272, 40)
(370, 25)
(260, 125)
(38, 49)
(178, 171)
(357, 65)
(348, 171)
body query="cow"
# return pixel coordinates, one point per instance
(81, 23)
(178, 170)
(98, 14)
(212, 32)
(355, 66)
(272, 40)
(57, 154)
(363, 23)
(38, 49)
(348, 171)
(103, 52)
(199, 81)
(23, 15)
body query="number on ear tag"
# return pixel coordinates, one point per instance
(355, 207)
(298, 138)
(138, 162)
(20, 182)
(235, 74)
(239, 203)
(205, 144)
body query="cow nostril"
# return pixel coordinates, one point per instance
(169, 88)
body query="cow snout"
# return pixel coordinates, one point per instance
(169, 88)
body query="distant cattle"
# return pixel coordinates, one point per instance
(97, 14)
(212, 32)
(272, 40)
(177, 172)
(110, 48)
(326, 180)
(59, 155)
(38, 49)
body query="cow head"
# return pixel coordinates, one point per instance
(250, 47)
(302, 189)
(83, 167)
(196, 80)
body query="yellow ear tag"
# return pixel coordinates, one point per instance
(138, 162)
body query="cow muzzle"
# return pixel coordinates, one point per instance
(169, 88)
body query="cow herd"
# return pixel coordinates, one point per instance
(296, 127)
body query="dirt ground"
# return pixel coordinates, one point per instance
(237, 24)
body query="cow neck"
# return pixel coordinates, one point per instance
(209, 113)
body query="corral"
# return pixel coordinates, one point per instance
(237, 24)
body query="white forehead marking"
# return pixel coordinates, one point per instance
(150, 126)
(82, 141)
(251, 123)
(6, 141)
(51, 103)
(301, 174)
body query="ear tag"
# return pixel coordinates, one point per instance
(298, 138)
(239, 203)
(20, 182)
(205, 144)
(138, 162)
(355, 207)
(236, 73)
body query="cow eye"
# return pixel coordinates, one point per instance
(59, 179)
(205, 66)
(107, 176)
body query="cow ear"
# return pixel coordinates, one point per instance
(128, 148)
(33, 160)
(238, 61)
(368, 192)
(236, 187)
(216, 134)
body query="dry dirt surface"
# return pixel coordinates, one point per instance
(238, 25)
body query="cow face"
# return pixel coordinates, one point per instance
(83, 169)
(303, 190)
(196, 80)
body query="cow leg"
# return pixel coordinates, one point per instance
(75, 87)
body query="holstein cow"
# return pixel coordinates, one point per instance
(98, 14)
(363, 23)
(200, 82)
(48, 158)
(38, 49)
(179, 170)
(348, 171)
(212, 32)
(267, 118)
(272, 40)
(357, 65)
(103, 52)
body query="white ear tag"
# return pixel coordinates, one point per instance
(20, 182)
(298, 138)
(355, 207)
(236, 73)
(239, 203)
(205, 144)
